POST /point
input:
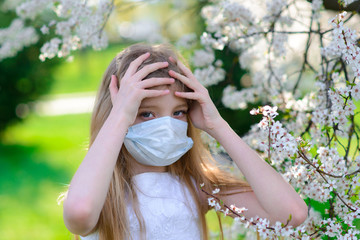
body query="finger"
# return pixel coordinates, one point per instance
(188, 82)
(113, 88)
(188, 95)
(185, 70)
(141, 74)
(156, 93)
(134, 65)
(153, 82)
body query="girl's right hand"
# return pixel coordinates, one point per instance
(133, 89)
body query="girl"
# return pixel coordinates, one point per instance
(141, 176)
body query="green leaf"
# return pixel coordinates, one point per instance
(319, 162)
(350, 83)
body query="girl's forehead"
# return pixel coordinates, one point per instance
(167, 100)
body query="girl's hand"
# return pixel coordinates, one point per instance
(133, 89)
(202, 112)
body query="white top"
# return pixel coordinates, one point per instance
(167, 207)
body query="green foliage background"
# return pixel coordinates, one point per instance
(23, 78)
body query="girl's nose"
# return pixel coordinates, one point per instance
(165, 114)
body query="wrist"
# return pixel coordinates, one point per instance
(119, 120)
(219, 128)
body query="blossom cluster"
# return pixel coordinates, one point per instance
(260, 225)
(15, 38)
(277, 139)
(76, 24)
(208, 71)
(344, 44)
(327, 172)
(314, 143)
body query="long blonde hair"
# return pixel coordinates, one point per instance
(195, 166)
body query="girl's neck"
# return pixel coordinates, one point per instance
(141, 168)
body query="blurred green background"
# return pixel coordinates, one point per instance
(40, 155)
(40, 149)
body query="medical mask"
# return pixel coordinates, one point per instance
(158, 142)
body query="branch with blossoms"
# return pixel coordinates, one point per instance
(268, 113)
(262, 225)
(73, 25)
(315, 144)
(278, 138)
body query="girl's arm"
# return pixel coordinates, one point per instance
(272, 197)
(89, 186)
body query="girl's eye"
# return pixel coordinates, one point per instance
(180, 113)
(146, 115)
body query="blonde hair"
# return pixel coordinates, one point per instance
(195, 166)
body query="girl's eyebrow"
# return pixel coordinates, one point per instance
(182, 105)
(148, 106)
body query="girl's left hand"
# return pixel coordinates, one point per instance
(202, 112)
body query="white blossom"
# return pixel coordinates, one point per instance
(316, 7)
(278, 44)
(44, 29)
(31, 8)
(237, 99)
(355, 92)
(79, 24)
(203, 58)
(344, 44)
(215, 191)
(209, 75)
(14, 38)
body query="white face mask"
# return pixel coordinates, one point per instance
(158, 142)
